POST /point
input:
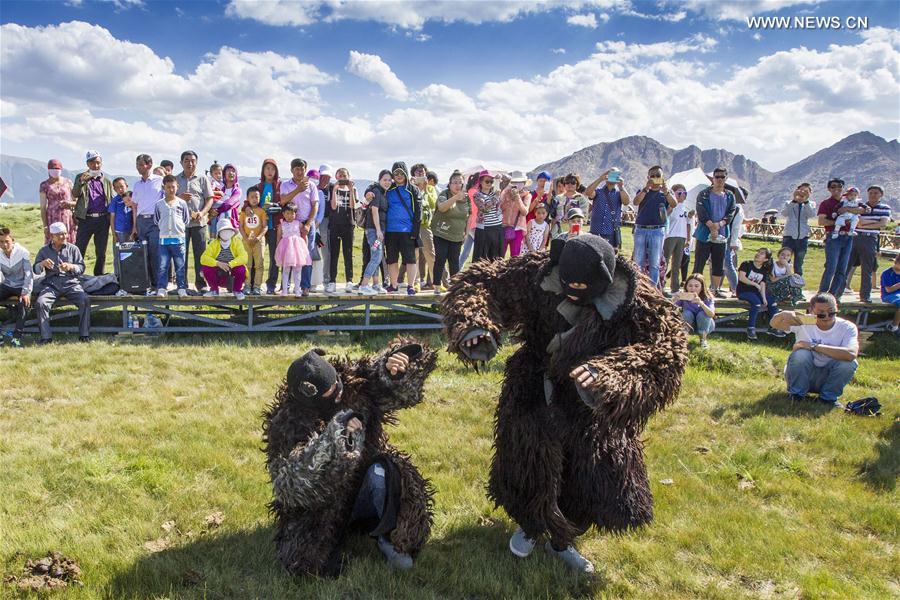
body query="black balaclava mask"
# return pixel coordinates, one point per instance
(310, 377)
(586, 259)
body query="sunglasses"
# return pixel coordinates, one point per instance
(825, 315)
(681, 193)
(488, 181)
(718, 176)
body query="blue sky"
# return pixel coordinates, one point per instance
(453, 83)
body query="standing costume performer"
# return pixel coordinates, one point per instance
(601, 351)
(332, 466)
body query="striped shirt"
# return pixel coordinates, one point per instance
(489, 213)
(879, 211)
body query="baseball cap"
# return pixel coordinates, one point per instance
(91, 155)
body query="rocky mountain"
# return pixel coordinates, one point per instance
(861, 159)
(635, 154)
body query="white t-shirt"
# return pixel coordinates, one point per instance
(842, 335)
(678, 220)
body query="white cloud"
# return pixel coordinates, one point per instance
(757, 36)
(39, 62)
(558, 50)
(405, 14)
(737, 10)
(588, 20)
(372, 68)
(673, 91)
(603, 17)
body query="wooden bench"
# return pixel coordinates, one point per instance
(196, 314)
(730, 310)
(342, 312)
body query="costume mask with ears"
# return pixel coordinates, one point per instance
(310, 378)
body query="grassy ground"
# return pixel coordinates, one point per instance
(102, 447)
(117, 453)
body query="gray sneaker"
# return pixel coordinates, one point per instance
(397, 560)
(572, 558)
(520, 544)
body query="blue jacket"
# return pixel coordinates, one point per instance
(701, 233)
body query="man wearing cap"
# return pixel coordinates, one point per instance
(654, 201)
(145, 193)
(865, 245)
(93, 192)
(606, 211)
(837, 250)
(195, 189)
(541, 193)
(61, 263)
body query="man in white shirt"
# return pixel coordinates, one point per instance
(825, 350)
(145, 193)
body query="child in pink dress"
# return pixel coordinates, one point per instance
(292, 252)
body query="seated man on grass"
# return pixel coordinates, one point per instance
(825, 349)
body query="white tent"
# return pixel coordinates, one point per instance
(694, 181)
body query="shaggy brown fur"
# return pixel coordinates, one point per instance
(316, 475)
(562, 465)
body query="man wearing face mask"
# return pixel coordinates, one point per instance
(332, 466)
(93, 192)
(225, 257)
(602, 350)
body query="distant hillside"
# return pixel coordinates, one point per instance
(861, 159)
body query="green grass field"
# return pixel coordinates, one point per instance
(116, 454)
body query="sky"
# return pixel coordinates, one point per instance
(509, 85)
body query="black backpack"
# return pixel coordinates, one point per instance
(867, 407)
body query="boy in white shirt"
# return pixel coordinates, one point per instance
(823, 360)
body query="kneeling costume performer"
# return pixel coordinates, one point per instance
(601, 351)
(331, 465)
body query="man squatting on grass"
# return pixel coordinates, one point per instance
(823, 359)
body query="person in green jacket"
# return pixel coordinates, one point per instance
(92, 192)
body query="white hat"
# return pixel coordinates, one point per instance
(324, 170)
(224, 223)
(91, 155)
(519, 177)
(58, 228)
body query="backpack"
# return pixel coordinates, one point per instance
(867, 407)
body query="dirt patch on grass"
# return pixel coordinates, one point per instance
(50, 572)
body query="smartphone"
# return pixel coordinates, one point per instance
(656, 180)
(343, 182)
(419, 180)
(575, 229)
(807, 319)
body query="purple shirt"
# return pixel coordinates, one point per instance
(304, 200)
(694, 307)
(97, 200)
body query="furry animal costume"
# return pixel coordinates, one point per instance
(565, 456)
(317, 466)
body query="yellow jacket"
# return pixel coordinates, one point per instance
(208, 258)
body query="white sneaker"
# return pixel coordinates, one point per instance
(351, 288)
(121, 293)
(367, 290)
(330, 288)
(379, 289)
(572, 558)
(239, 296)
(161, 293)
(182, 293)
(520, 544)
(211, 294)
(151, 292)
